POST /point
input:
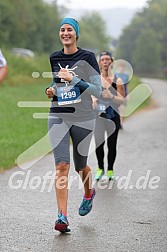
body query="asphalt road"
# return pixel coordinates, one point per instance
(125, 217)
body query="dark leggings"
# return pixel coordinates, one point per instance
(111, 127)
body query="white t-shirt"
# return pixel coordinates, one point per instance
(2, 60)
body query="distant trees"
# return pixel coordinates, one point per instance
(147, 53)
(35, 25)
(143, 42)
(30, 24)
(93, 32)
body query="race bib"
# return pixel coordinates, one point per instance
(101, 108)
(68, 95)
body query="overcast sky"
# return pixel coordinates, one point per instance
(101, 4)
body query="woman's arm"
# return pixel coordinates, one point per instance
(94, 102)
(3, 72)
(119, 98)
(93, 88)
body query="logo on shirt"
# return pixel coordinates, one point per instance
(70, 70)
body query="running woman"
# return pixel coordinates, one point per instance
(108, 120)
(3, 67)
(76, 76)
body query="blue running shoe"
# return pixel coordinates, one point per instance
(86, 205)
(62, 223)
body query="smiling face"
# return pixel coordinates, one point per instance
(67, 35)
(105, 61)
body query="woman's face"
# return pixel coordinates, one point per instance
(67, 35)
(105, 62)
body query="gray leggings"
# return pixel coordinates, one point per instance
(60, 132)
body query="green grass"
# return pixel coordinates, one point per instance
(18, 129)
(134, 83)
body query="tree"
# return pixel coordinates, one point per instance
(35, 25)
(93, 32)
(146, 37)
(127, 41)
(146, 56)
(30, 24)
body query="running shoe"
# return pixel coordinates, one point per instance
(86, 205)
(99, 174)
(62, 223)
(110, 175)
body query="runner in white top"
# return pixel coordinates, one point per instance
(3, 67)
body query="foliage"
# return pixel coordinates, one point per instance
(93, 32)
(29, 24)
(35, 24)
(143, 42)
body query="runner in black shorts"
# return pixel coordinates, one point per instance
(76, 77)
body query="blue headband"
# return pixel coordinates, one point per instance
(73, 23)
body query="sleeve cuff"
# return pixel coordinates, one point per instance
(75, 80)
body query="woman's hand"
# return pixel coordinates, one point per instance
(50, 92)
(65, 75)
(107, 94)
